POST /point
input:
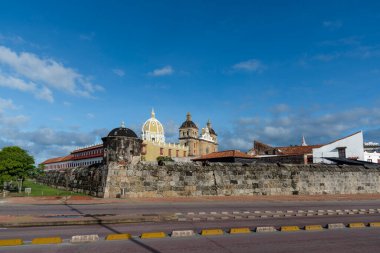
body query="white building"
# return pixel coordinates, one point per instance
(350, 147)
(372, 157)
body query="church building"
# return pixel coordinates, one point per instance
(198, 144)
(154, 145)
(191, 142)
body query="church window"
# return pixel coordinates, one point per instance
(161, 151)
(184, 154)
(176, 153)
(170, 152)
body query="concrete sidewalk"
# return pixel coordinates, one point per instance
(92, 200)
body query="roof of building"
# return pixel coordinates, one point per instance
(342, 138)
(351, 162)
(297, 150)
(58, 159)
(122, 131)
(224, 154)
(212, 131)
(91, 147)
(188, 123)
(153, 130)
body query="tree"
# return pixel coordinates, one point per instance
(162, 159)
(15, 164)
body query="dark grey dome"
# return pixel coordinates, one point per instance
(188, 124)
(212, 131)
(122, 131)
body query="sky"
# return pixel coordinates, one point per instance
(71, 71)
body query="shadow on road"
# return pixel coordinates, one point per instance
(100, 223)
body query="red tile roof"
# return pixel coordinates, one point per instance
(223, 154)
(87, 148)
(297, 150)
(58, 159)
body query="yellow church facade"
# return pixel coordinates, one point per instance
(191, 143)
(154, 145)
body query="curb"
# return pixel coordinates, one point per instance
(189, 233)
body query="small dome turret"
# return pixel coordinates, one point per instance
(211, 130)
(122, 131)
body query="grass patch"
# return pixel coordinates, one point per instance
(39, 190)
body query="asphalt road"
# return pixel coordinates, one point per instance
(66, 232)
(139, 208)
(337, 241)
(343, 240)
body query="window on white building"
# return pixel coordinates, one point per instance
(342, 152)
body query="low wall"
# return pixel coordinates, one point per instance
(145, 180)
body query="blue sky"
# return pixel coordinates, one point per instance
(70, 71)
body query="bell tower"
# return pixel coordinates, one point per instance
(188, 135)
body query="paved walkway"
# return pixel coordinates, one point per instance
(92, 200)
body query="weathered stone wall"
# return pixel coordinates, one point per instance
(87, 180)
(147, 180)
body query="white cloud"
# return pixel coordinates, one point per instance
(12, 38)
(165, 71)
(90, 115)
(252, 65)
(332, 24)
(280, 108)
(28, 72)
(289, 128)
(44, 143)
(67, 104)
(118, 72)
(13, 121)
(171, 131)
(42, 93)
(275, 132)
(6, 104)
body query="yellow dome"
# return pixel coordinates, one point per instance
(152, 130)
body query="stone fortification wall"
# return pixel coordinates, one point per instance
(147, 180)
(87, 180)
